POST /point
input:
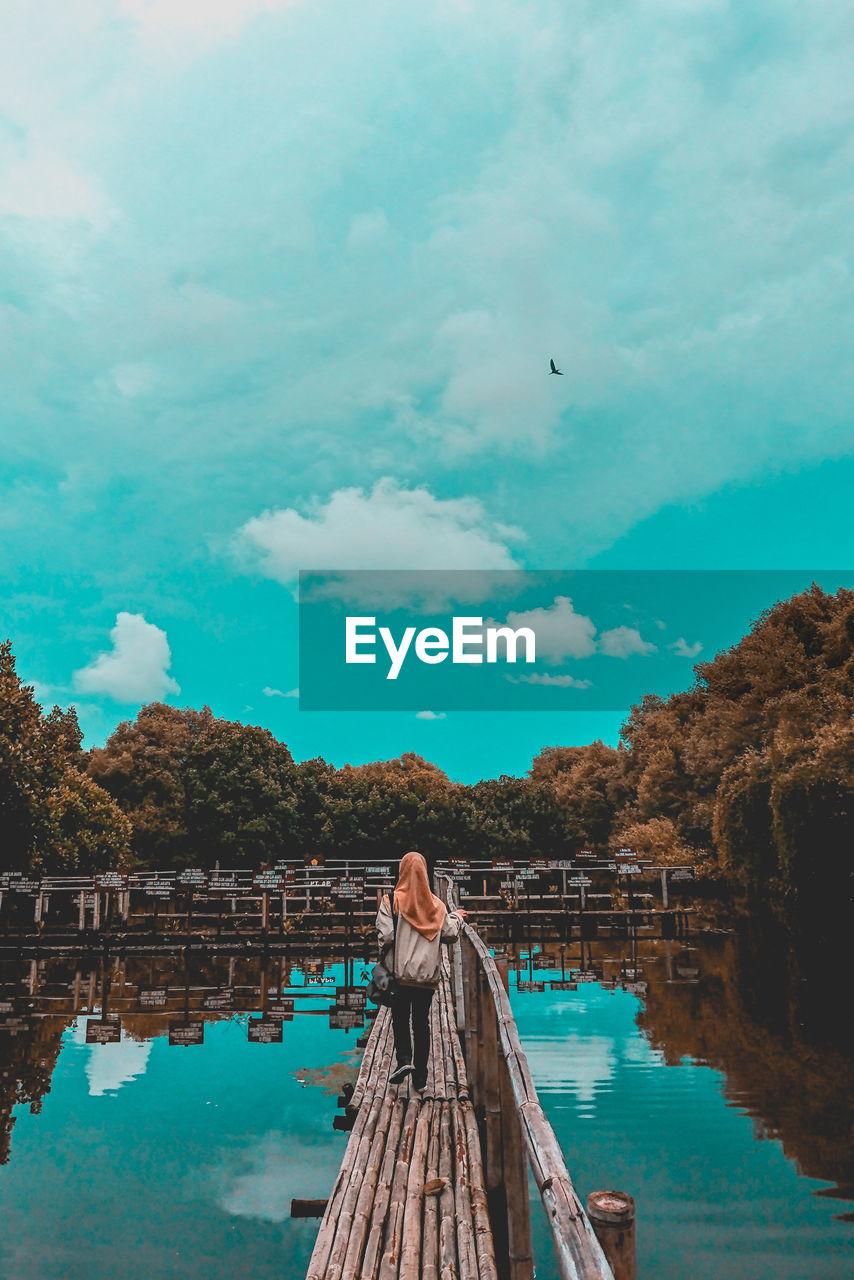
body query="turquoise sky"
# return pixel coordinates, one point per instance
(279, 284)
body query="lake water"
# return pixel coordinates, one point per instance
(720, 1098)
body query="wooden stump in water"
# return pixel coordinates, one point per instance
(612, 1214)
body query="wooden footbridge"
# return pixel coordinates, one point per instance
(434, 1186)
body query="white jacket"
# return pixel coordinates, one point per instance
(415, 961)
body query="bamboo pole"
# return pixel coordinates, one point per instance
(448, 1269)
(382, 1194)
(410, 1253)
(390, 1262)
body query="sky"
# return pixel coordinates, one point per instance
(279, 285)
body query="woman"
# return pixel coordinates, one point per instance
(423, 924)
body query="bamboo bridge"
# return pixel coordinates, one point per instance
(434, 1186)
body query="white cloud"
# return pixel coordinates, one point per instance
(683, 649)
(561, 632)
(430, 715)
(109, 1066)
(136, 669)
(261, 1180)
(390, 527)
(278, 693)
(367, 230)
(624, 642)
(562, 682)
(200, 17)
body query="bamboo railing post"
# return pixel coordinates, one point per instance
(612, 1214)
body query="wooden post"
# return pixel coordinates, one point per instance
(81, 923)
(665, 901)
(96, 913)
(612, 1215)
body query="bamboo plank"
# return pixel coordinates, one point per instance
(410, 1250)
(462, 1198)
(382, 1194)
(390, 1261)
(448, 1269)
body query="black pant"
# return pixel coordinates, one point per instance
(414, 1001)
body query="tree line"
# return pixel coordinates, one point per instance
(749, 775)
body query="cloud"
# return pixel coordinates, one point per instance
(624, 642)
(367, 230)
(390, 527)
(431, 715)
(136, 669)
(561, 632)
(683, 649)
(260, 1180)
(562, 682)
(277, 693)
(109, 1066)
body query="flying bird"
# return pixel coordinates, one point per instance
(554, 369)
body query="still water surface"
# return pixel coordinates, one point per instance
(138, 1159)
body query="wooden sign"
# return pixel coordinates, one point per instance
(225, 886)
(281, 1009)
(508, 884)
(193, 878)
(160, 887)
(530, 986)
(104, 1030)
(12, 1025)
(503, 864)
(460, 864)
(560, 864)
(345, 1019)
(378, 869)
(563, 985)
(152, 997)
(681, 873)
(268, 881)
(585, 975)
(585, 855)
(6, 1006)
(350, 997)
(186, 1033)
(111, 881)
(636, 988)
(323, 883)
(22, 885)
(264, 1031)
(540, 864)
(219, 1001)
(583, 881)
(527, 875)
(351, 887)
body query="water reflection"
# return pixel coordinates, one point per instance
(213, 1140)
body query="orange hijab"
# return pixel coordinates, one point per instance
(413, 899)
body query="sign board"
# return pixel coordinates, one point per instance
(631, 973)
(111, 881)
(193, 878)
(530, 986)
(628, 869)
(585, 975)
(508, 884)
(185, 1032)
(6, 1006)
(12, 1025)
(159, 887)
(540, 864)
(378, 869)
(221, 1001)
(225, 885)
(152, 997)
(583, 881)
(268, 881)
(104, 1030)
(585, 855)
(7, 878)
(25, 886)
(350, 997)
(460, 864)
(625, 854)
(344, 1019)
(564, 985)
(503, 864)
(264, 1031)
(351, 887)
(324, 883)
(527, 875)
(281, 1009)
(635, 988)
(681, 873)
(560, 864)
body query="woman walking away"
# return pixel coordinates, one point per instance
(423, 923)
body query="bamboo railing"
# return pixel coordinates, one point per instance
(578, 1252)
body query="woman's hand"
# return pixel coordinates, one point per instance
(461, 911)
